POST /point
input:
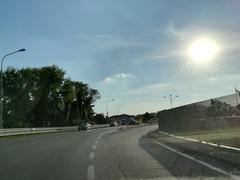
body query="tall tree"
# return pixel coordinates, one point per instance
(42, 97)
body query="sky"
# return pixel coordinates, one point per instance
(133, 51)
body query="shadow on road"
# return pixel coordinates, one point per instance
(176, 164)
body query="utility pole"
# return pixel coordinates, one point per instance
(119, 108)
(170, 97)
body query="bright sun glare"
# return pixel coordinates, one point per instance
(203, 50)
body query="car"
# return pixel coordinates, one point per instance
(111, 124)
(84, 126)
(88, 125)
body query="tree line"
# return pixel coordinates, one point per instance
(43, 97)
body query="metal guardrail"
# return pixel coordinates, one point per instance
(22, 131)
(99, 126)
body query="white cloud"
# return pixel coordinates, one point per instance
(213, 78)
(117, 77)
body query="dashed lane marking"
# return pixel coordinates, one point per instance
(91, 172)
(94, 147)
(91, 156)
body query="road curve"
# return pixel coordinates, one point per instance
(108, 153)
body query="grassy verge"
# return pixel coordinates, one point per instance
(229, 137)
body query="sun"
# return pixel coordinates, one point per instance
(203, 50)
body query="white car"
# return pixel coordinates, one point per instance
(88, 125)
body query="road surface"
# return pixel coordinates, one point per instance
(101, 154)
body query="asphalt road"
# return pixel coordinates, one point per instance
(107, 153)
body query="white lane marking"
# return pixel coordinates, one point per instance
(199, 162)
(90, 172)
(91, 156)
(104, 133)
(94, 147)
(199, 141)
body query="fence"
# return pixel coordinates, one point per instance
(215, 113)
(215, 120)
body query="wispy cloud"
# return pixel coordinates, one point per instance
(117, 77)
(172, 31)
(213, 78)
(149, 89)
(168, 55)
(110, 41)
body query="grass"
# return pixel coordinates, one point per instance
(227, 136)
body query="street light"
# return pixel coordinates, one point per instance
(170, 97)
(1, 83)
(107, 106)
(118, 108)
(118, 113)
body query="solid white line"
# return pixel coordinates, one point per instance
(199, 162)
(199, 141)
(91, 156)
(90, 172)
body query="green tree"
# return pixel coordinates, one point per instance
(147, 116)
(48, 95)
(36, 97)
(98, 119)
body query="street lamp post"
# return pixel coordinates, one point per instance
(1, 84)
(107, 107)
(170, 97)
(118, 114)
(119, 108)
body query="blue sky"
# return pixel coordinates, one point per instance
(131, 50)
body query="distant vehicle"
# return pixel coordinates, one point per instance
(123, 122)
(84, 126)
(89, 125)
(134, 122)
(111, 124)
